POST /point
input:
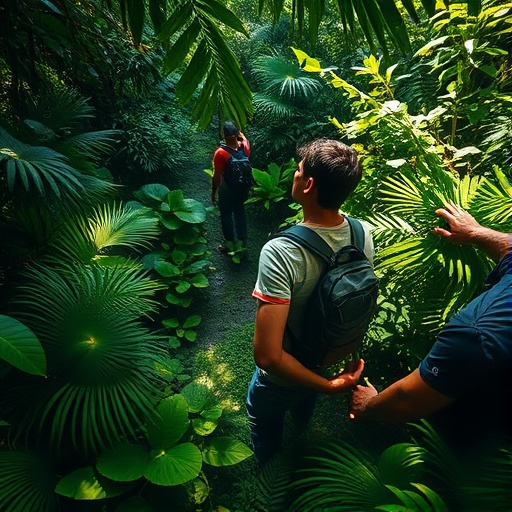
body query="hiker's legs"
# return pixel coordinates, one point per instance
(266, 406)
(226, 205)
(239, 216)
(302, 411)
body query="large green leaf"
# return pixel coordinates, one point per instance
(20, 347)
(170, 421)
(196, 395)
(225, 451)
(175, 466)
(123, 463)
(85, 484)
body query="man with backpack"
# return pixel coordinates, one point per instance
(232, 178)
(285, 379)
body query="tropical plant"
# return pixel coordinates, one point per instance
(180, 261)
(177, 443)
(101, 361)
(20, 347)
(388, 483)
(273, 185)
(431, 173)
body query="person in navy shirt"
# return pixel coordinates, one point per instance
(464, 384)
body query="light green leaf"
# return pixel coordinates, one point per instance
(203, 427)
(169, 423)
(176, 466)
(20, 347)
(225, 451)
(123, 463)
(196, 395)
(85, 484)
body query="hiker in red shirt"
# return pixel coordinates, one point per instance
(231, 201)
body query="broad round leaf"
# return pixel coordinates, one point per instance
(225, 451)
(85, 484)
(123, 463)
(203, 427)
(175, 466)
(152, 191)
(169, 423)
(20, 347)
(196, 395)
(166, 269)
(194, 212)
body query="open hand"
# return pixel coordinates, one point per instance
(462, 226)
(346, 381)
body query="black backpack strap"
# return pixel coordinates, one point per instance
(310, 240)
(356, 233)
(315, 243)
(233, 152)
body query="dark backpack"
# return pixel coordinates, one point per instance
(238, 170)
(344, 300)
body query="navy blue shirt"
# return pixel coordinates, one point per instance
(471, 362)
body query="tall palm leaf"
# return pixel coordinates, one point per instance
(414, 262)
(56, 117)
(281, 78)
(107, 227)
(341, 478)
(102, 363)
(27, 482)
(43, 171)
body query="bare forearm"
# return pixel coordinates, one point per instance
(493, 243)
(408, 399)
(291, 370)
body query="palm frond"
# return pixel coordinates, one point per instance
(37, 167)
(26, 483)
(279, 77)
(109, 226)
(102, 361)
(60, 109)
(270, 109)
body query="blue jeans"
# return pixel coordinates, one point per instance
(267, 404)
(232, 213)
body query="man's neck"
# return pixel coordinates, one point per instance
(322, 218)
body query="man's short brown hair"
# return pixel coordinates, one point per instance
(335, 169)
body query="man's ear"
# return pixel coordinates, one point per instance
(310, 184)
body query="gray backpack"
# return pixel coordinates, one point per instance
(344, 300)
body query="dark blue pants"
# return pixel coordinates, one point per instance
(232, 213)
(267, 404)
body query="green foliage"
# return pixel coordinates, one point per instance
(100, 358)
(156, 135)
(27, 482)
(273, 185)
(180, 262)
(349, 479)
(20, 347)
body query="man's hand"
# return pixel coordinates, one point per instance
(462, 226)
(345, 381)
(360, 397)
(464, 229)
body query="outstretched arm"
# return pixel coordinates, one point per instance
(270, 356)
(408, 399)
(464, 229)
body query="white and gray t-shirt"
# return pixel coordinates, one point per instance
(288, 272)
